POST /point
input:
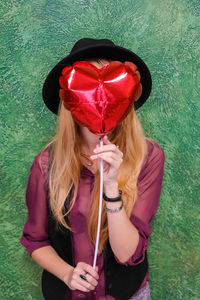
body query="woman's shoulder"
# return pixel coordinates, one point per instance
(154, 149)
(41, 161)
(155, 153)
(155, 157)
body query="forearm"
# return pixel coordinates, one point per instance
(123, 235)
(48, 258)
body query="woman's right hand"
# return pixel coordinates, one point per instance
(75, 282)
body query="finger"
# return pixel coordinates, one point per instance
(111, 155)
(107, 148)
(103, 155)
(80, 287)
(106, 140)
(97, 146)
(78, 283)
(107, 143)
(91, 280)
(96, 268)
(110, 159)
(89, 269)
(83, 282)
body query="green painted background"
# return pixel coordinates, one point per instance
(35, 36)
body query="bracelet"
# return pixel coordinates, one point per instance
(115, 209)
(118, 198)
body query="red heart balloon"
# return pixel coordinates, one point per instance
(99, 98)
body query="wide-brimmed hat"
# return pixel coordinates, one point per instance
(94, 48)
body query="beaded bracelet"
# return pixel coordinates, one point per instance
(115, 209)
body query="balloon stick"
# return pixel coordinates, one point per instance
(100, 208)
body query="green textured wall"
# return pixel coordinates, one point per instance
(35, 36)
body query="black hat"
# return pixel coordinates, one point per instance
(94, 48)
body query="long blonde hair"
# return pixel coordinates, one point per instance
(67, 145)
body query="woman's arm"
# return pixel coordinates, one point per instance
(127, 240)
(35, 235)
(49, 260)
(123, 235)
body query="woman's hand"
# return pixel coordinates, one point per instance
(75, 282)
(112, 159)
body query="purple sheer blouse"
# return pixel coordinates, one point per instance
(35, 232)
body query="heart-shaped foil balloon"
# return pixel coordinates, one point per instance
(99, 98)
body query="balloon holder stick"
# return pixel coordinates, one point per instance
(100, 208)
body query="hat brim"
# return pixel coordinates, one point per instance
(50, 91)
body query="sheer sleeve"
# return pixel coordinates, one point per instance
(35, 232)
(149, 191)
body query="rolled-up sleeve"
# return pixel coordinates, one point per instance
(149, 192)
(35, 232)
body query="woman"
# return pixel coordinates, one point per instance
(63, 193)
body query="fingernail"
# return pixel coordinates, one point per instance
(93, 156)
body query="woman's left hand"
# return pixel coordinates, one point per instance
(112, 159)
